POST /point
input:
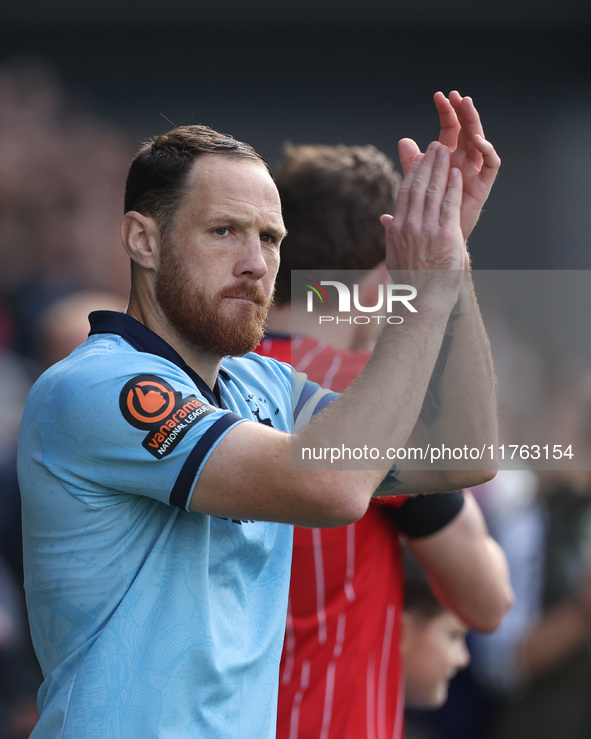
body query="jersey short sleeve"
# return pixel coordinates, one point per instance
(308, 399)
(111, 423)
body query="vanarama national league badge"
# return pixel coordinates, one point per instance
(149, 402)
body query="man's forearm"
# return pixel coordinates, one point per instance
(467, 569)
(460, 413)
(381, 407)
(470, 380)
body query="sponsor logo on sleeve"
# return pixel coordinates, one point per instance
(149, 403)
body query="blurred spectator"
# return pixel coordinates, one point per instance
(539, 662)
(64, 324)
(15, 381)
(433, 640)
(19, 672)
(61, 198)
(61, 327)
(532, 677)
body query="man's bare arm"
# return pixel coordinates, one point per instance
(467, 569)
(463, 380)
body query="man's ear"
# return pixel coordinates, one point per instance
(141, 238)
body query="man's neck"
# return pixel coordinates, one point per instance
(205, 365)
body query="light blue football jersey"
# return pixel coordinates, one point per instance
(150, 620)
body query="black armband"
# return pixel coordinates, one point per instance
(423, 515)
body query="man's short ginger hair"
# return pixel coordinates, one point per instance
(157, 178)
(332, 198)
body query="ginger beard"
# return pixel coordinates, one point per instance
(199, 318)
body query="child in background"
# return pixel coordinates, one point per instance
(433, 641)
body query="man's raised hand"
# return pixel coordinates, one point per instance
(462, 133)
(424, 231)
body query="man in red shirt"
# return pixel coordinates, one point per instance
(341, 672)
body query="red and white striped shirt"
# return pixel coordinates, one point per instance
(341, 671)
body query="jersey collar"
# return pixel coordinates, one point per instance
(144, 339)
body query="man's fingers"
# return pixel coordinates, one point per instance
(470, 126)
(425, 231)
(470, 119)
(448, 120)
(408, 151)
(414, 187)
(450, 207)
(490, 160)
(437, 185)
(403, 196)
